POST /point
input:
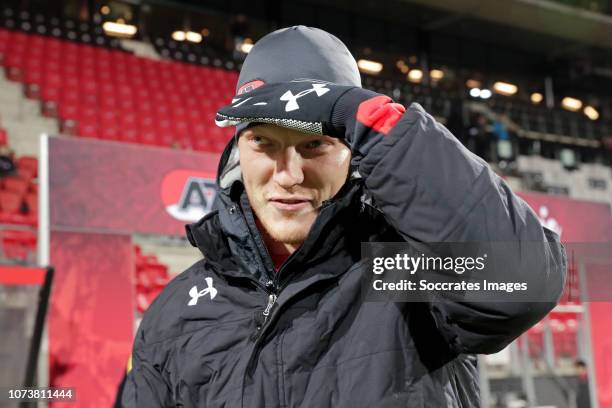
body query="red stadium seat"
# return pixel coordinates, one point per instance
(183, 142)
(14, 62)
(31, 200)
(28, 163)
(536, 341)
(26, 174)
(130, 134)
(50, 92)
(109, 133)
(18, 244)
(3, 137)
(88, 128)
(15, 184)
(10, 202)
(202, 145)
(69, 110)
(148, 136)
(151, 277)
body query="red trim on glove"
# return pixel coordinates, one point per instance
(380, 113)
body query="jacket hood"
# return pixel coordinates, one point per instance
(287, 54)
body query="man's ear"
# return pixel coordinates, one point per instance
(230, 171)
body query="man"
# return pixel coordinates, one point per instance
(273, 315)
(583, 397)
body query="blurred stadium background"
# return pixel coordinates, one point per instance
(132, 87)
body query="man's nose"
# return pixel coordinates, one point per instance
(289, 170)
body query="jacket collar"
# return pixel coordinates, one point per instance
(230, 241)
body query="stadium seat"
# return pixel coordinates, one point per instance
(536, 341)
(15, 184)
(26, 174)
(31, 200)
(151, 278)
(3, 137)
(10, 202)
(564, 336)
(28, 163)
(18, 244)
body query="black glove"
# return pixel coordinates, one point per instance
(357, 115)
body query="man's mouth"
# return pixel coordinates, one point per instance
(290, 203)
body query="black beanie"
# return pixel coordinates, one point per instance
(297, 52)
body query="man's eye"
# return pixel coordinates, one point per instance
(259, 140)
(314, 144)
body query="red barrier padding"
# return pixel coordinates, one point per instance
(17, 275)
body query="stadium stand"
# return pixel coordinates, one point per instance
(151, 277)
(56, 27)
(589, 182)
(19, 212)
(141, 92)
(134, 94)
(112, 95)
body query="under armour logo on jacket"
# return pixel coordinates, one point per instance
(291, 99)
(195, 294)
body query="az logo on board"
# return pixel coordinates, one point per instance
(188, 195)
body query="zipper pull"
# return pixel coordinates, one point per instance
(271, 301)
(265, 314)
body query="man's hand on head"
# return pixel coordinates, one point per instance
(359, 116)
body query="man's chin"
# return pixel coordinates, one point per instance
(292, 231)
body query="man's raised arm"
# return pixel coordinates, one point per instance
(432, 189)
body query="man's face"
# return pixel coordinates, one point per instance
(287, 175)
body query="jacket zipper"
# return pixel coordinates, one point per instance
(266, 315)
(272, 286)
(275, 282)
(266, 312)
(275, 285)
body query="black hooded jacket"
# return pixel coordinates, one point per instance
(318, 344)
(231, 333)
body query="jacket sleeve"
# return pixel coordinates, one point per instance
(144, 386)
(432, 189)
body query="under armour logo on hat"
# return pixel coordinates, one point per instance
(291, 99)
